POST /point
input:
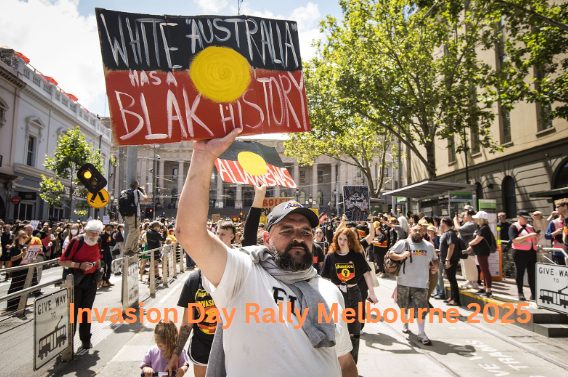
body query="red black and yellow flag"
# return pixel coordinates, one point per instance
(176, 78)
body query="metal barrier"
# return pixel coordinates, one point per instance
(27, 288)
(551, 250)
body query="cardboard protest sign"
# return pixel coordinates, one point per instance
(175, 78)
(251, 163)
(356, 200)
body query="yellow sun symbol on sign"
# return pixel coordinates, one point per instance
(220, 74)
(252, 163)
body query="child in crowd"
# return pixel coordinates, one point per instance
(157, 357)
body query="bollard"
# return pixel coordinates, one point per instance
(181, 259)
(124, 280)
(165, 271)
(67, 354)
(152, 277)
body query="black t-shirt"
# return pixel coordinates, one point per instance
(447, 239)
(193, 292)
(503, 230)
(318, 256)
(348, 269)
(483, 247)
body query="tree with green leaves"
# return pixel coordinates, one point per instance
(533, 37)
(71, 153)
(339, 134)
(411, 71)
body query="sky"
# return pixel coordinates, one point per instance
(60, 36)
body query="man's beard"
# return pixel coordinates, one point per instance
(91, 241)
(287, 261)
(416, 238)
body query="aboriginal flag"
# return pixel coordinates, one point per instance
(252, 163)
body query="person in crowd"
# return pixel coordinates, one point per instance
(539, 224)
(73, 232)
(437, 278)
(227, 231)
(562, 208)
(281, 272)
(345, 265)
(466, 233)
(155, 237)
(378, 248)
(412, 280)
(16, 253)
(203, 330)
(450, 258)
(83, 257)
(7, 242)
(554, 234)
(35, 254)
(482, 245)
(320, 244)
(404, 229)
(107, 242)
(503, 226)
(524, 244)
(157, 357)
(132, 222)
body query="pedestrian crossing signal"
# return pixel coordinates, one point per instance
(90, 177)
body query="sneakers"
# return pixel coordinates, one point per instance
(439, 297)
(405, 329)
(424, 340)
(488, 294)
(466, 285)
(480, 291)
(522, 297)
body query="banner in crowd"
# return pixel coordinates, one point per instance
(251, 163)
(175, 78)
(356, 202)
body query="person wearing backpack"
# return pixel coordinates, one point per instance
(483, 245)
(82, 258)
(412, 279)
(129, 208)
(450, 250)
(524, 243)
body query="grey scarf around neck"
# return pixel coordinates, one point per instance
(321, 334)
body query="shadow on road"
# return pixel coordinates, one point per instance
(81, 366)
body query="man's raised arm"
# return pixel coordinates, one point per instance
(206, 249)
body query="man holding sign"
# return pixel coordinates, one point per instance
(281, 273)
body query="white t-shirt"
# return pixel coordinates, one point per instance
(272, 349)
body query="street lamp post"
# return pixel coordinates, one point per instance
(155, 188)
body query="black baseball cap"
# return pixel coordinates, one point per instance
(524, 214)
(284, 209)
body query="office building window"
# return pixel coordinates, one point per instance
(30, 153)
(451, 149)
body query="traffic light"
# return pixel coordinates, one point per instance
(90, 177)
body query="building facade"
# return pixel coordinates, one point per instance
(34, 111)
(162, 169)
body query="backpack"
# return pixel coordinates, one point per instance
(460, 248)
(392, 267)
(127, 204)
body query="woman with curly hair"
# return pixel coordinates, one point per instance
(345, 265)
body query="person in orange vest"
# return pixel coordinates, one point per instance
(524, 244)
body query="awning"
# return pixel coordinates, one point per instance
(550, 193)
(429, 188)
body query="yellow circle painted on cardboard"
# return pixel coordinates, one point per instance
(252, 163)
(99, 200)
(220, 74)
